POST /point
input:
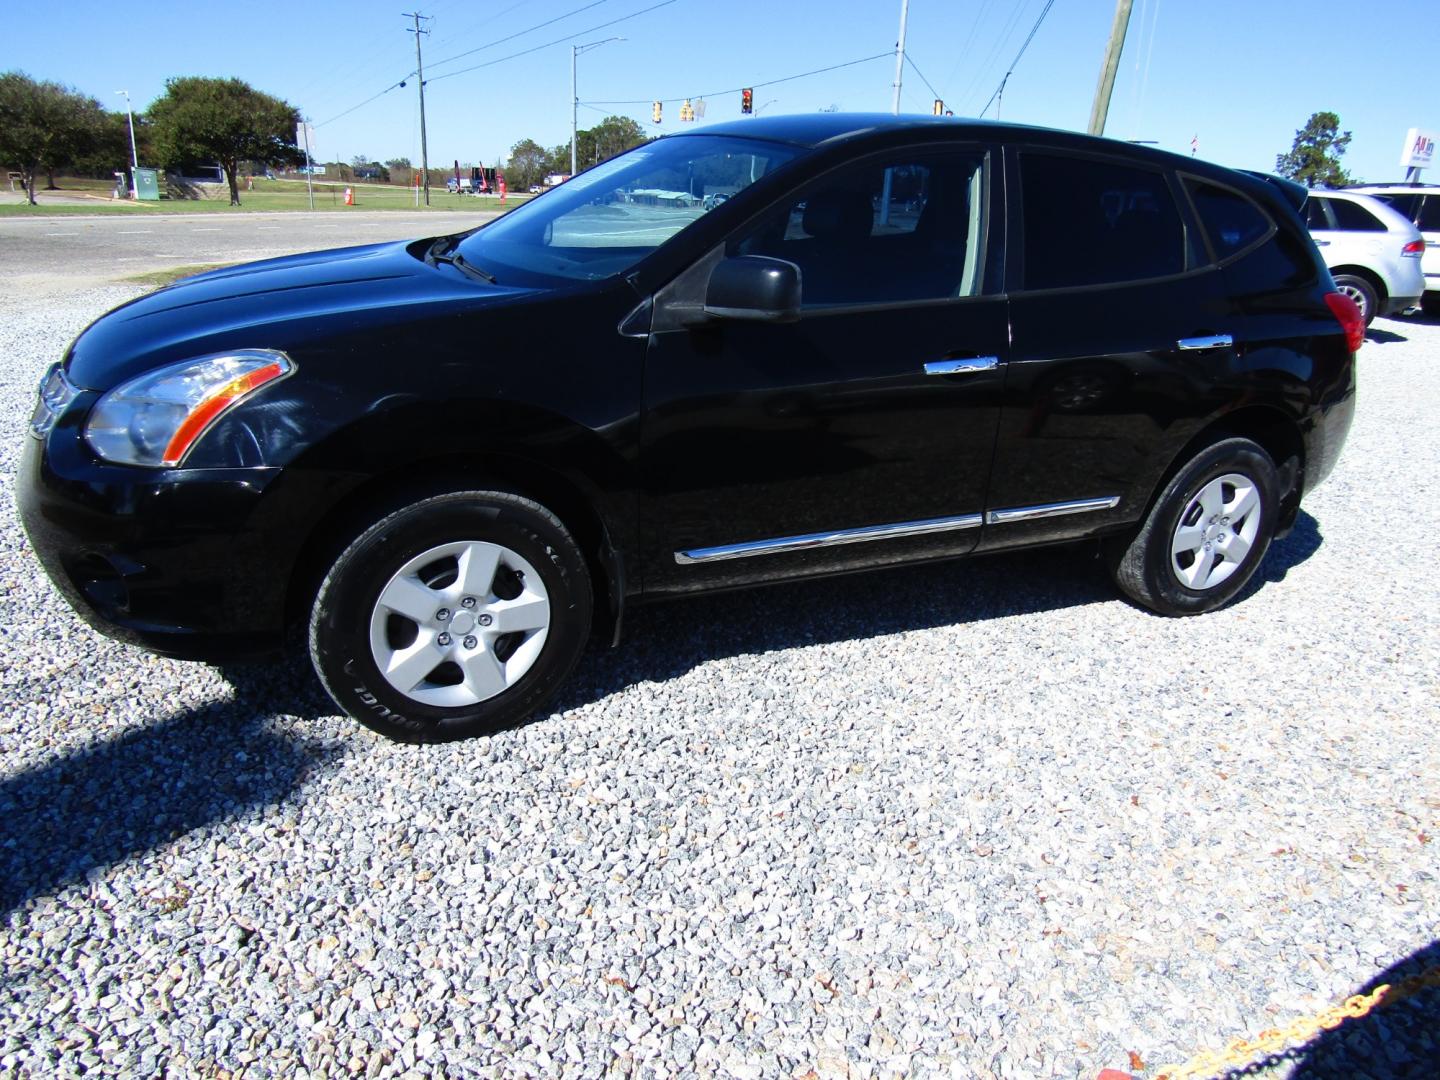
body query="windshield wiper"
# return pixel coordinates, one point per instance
(440, 252)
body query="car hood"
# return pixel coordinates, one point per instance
(286, 303)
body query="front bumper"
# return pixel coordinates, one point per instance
(187, 563)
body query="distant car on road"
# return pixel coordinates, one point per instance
(1372, 251)
(1421, 204)
(610, 396)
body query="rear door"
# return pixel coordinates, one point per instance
(1119, 330)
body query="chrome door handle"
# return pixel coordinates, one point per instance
(1321, 243)
(962, 366)
(1209, 341)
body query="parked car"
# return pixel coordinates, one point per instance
(1372, 251)
(1420, 203)
(604, 401)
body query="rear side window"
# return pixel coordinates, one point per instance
(1096, 223)
(1352, 217)
(1231, 221)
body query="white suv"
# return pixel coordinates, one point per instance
(1372, 250)
(1421, 204)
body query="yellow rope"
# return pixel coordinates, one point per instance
(1271, 1041)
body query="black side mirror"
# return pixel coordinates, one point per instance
(754, 288)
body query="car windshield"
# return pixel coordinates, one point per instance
(608, 218)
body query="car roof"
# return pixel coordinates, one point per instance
(813, 130)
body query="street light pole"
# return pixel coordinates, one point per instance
(130, 116)
(575, 51)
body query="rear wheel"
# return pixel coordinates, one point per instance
(1430, 303)
(453, 617)
(1206, 534)
(1362, 292)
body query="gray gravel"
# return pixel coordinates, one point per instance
(975, 820)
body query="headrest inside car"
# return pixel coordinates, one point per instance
(838, 215)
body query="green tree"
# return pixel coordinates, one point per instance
(398, 164)
(529, 161)
(44, 125)
(224, 120)
(1314, 159)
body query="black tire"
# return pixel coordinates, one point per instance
(340, 621)
(1142, 564)
(1430, 302)
(1362, 292)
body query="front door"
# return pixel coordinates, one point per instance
(860, 434)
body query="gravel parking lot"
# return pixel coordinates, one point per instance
(981, 819)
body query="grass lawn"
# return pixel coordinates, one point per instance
(267, 195)
(172, 274)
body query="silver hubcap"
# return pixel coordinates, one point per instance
(1359, 297)
(1216, 532)
(459, 623)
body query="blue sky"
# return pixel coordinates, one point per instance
(1241, 75)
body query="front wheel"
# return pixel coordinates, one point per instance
(1205, 535)
(452, 617)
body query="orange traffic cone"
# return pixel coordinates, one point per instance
(349, 197)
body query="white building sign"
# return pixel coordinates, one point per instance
(1419, 151)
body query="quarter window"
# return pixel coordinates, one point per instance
(1232, 221)
(1095, 223)
(888, 232)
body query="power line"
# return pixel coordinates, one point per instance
(1013, 63)
(926, 81)
(748, 86)
(372, 97)
(557, 41)
(521, 33)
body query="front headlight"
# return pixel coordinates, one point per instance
(156, 418)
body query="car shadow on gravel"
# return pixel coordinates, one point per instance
(1400, 1041)
(664, 641)
(89, 809)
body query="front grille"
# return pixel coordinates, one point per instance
(56, 394)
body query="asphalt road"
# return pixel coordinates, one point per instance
(61, 254)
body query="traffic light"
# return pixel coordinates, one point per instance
(687, 112)
(655, 111)
(747, 101)
(938, 108)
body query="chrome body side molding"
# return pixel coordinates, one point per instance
(1049, 510)
(828, 539)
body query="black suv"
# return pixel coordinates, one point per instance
(891, 340)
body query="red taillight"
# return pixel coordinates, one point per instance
(1347, 313)
(1415, 247)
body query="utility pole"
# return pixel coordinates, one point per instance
(1113, 48)
(900, 55)
(575, 51)
(420, 78)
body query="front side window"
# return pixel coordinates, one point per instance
(607, 219)
(1096, 223)
(1409, 205)
(1232, 221)
(1429, 219)
(893, 231)
(1352, 217)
